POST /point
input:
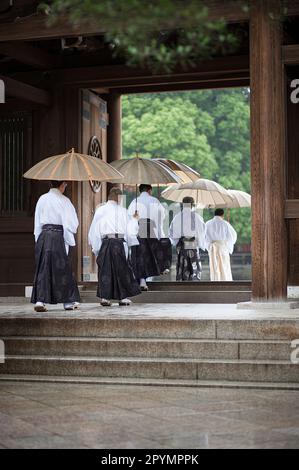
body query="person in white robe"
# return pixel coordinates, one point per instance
(152, 256)
(220, 239)
(55, 226)
(187, 233)
(111, 235)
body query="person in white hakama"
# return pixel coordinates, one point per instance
(187, 233)
(55, 225)
(220, 240)
(152, 256)
(111, 234)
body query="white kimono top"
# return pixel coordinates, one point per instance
(218, 229)
(57, 209)
(149, 207)
(112, 218)
(188, 223)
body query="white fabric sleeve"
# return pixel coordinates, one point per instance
(94, 235)
(207, 241)
(132, 230)
(132, 208)
(231, 238)
(37, 223)
(200, 232)
(70, 222)
(174, 241)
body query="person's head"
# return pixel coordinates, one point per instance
(219, 212)
(145, 188)
(61, 185)
(188, 201)
(115, 195)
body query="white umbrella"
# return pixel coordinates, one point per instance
(204, 192)
(239, 199)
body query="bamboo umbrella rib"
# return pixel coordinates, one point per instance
(86, 167)
(76, 166)
(55, 168)
(51, 159)
(71, 164)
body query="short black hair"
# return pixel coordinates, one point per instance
(56, 184)
(188, 200)
(145, 187)
(219, 212)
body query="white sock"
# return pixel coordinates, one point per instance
(68, 305)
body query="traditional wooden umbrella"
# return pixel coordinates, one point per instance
(184, 172)
(73, 166)
(238, 199)
(139, 170)
(205, 192)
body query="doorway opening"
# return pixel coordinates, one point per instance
(209, 130)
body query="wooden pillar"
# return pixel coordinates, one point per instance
(114, 149)
(269, 234)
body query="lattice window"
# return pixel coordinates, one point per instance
(15, 146)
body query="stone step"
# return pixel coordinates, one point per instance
(52, 324)
(181, 296)
(149, 382)
(150, 368)
(148, 347)
(184, 286)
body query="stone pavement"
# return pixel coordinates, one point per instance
(43, 415)
(154, 311)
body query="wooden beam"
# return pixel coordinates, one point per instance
(35, 27)
(26, 92)
(120, 76)
(199, 85)
(291, 210)
(268, 154)
(292, 7)
(114, 147)
(290, 54)
(28, 54)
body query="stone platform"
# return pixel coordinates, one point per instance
(160, 344)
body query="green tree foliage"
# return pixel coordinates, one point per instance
(208, 130)
(158, 34)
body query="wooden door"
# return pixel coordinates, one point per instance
(94, 142)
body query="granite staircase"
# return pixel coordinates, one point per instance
(165, 351)
(184, 292)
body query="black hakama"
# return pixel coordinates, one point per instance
(116, 280)
(144, 258)
(145, 255)
(164, 254)
(54, 281)
(188, 267)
